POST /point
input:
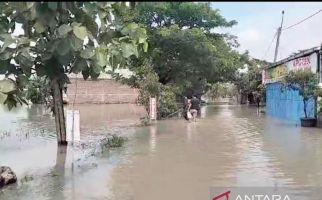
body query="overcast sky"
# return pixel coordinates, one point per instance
(258, 22)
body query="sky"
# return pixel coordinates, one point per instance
(258, 22)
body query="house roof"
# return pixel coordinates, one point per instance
(295, 56)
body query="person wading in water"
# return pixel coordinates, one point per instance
(194, 107)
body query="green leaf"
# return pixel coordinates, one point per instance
(23, 41)
(90, 8)
(25, 61)
(4, 24)
(79, 65)
(52, 23)
(4, 65)
(86, 20)
(101, 57)
(3, 97)
(107, 36)
(42, 9)
(129, 49)
(30, 4)
(85, 73)
(65, 59)
(63, 79)
(10, 101)
(94, 75)
(7, 41)
(12, 25)
(145, 47)
(87, 53)
(6, 55)
(80, 32)
(75, 43)
(76, 24)
(52, 45)
(140, 35)
(63, 47)
(129, 28)
(40, 70)
(52, 5)
(26, 70)
(39, 27)
(7, 86)
(22, 80)
(64, 29)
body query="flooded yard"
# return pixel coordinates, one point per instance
(229, 146)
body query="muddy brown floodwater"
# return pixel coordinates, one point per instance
(229, 146)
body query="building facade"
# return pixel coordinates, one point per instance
(286, 103)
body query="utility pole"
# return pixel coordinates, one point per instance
(279, 31)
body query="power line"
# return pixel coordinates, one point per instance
(270, 45)
(302, 20)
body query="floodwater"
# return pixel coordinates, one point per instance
(172, 159)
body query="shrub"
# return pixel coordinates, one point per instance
(167, 102)
(37, 91)
(113, 142)
(304, 81)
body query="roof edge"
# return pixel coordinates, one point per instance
(298, 55)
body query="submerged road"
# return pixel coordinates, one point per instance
(229, 146)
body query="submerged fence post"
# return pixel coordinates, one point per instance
(153, 108)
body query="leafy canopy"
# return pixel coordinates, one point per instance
(304, 81)
(184, 49)
(64, 37)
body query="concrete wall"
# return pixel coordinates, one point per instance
(103, 91)
(287, 105)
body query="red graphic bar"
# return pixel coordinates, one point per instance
(226, 194)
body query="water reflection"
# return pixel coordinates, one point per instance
(153, 138)
(173, 159)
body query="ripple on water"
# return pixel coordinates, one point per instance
(173, 159)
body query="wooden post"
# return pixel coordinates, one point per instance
(153, 108)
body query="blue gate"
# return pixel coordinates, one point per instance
(287, 104)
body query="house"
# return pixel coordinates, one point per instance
(288, 104)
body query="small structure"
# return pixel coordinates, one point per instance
(288, 104)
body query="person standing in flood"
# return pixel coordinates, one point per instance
(194, 107)
(185, 107)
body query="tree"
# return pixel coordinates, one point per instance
(305, 82)
(248, 79)
(185, 51)
(60, 38)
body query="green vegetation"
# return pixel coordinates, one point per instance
(250, 81)
(145, 121)
(60, 38)
(186, 55)
(26, 179)
(305, 82)
(113, 142)
(37, 90)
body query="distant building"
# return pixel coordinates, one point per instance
(289, 104)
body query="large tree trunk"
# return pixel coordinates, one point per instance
(59, 112)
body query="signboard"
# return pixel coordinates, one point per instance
(275, 74)
(307, 62)
(153, 108)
